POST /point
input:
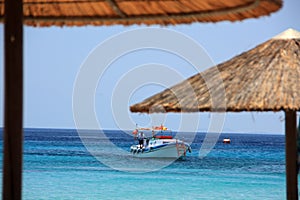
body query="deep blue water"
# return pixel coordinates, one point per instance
(58, 166)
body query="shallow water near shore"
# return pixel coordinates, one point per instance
(58, 166)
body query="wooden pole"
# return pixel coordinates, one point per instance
(13, 100)
(291, 155)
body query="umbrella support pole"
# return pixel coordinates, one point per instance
(13, 100)
(291, 155)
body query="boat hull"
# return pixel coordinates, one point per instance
(167, 151)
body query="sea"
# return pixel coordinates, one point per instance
(67, 164)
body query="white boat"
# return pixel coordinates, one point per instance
(160, 146)
(226, 141)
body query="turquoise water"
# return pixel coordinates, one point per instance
(58, 166)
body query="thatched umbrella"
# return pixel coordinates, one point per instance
(15, 13)
(126, 12)
(265, 78)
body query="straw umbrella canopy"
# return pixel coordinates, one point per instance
(43, 13)
(126, 12)
(265, 78)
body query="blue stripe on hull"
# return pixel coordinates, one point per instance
(161, 151)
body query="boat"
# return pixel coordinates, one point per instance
(226, 141)
(160, 145)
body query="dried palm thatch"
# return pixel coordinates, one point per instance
(265, 78)
(127, 12)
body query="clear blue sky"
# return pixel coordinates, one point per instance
(53, 56)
